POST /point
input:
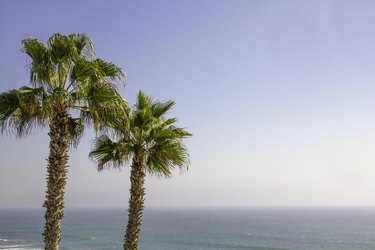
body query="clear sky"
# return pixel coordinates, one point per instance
(280, 97)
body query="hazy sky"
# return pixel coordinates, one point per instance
(280, 97)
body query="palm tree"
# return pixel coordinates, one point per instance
(152, 143)
(69, 89)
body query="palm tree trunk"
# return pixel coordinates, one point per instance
(136, 204)
(56, 178)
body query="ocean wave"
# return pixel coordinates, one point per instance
(19, 247)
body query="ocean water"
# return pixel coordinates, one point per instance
(180, 229)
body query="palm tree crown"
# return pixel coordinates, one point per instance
(64, 75)
(147, 134)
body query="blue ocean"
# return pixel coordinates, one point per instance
(180, 229)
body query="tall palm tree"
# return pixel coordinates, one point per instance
(69, 89)
(152, 143)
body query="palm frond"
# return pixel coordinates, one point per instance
(169, 121)
(167, 152)
(104, 105)
(63, 54)
(41, 67)
(158, 167)
(107, 70)
(20, 110)
(86, 73)
(81, 72)
(60, 49)
(83, 44)
(180, 133)
(9, 103)
(159, 109)
(143, 101)
(75, 131)
(106, 153)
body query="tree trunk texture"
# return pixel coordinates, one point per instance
(136, 204)
(57, 169)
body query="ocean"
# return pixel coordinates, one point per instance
(200, 229)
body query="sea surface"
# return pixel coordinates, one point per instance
(180, 229)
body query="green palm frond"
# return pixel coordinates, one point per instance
(86, 73)
(180, 133)
(41, 67)
(107, 70)
(166, 149)
(20, 110)
(143, 101)
(169, 121)
(159, 109)
(83, 44)
(61, 50)
(75, 131)
(107, 153)
(9, 103)
(158, 167)
(104, 104)
(63, 53)
(81, 72)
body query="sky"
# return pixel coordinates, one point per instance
(279, 97)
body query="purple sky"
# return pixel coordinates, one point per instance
(280, 97)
